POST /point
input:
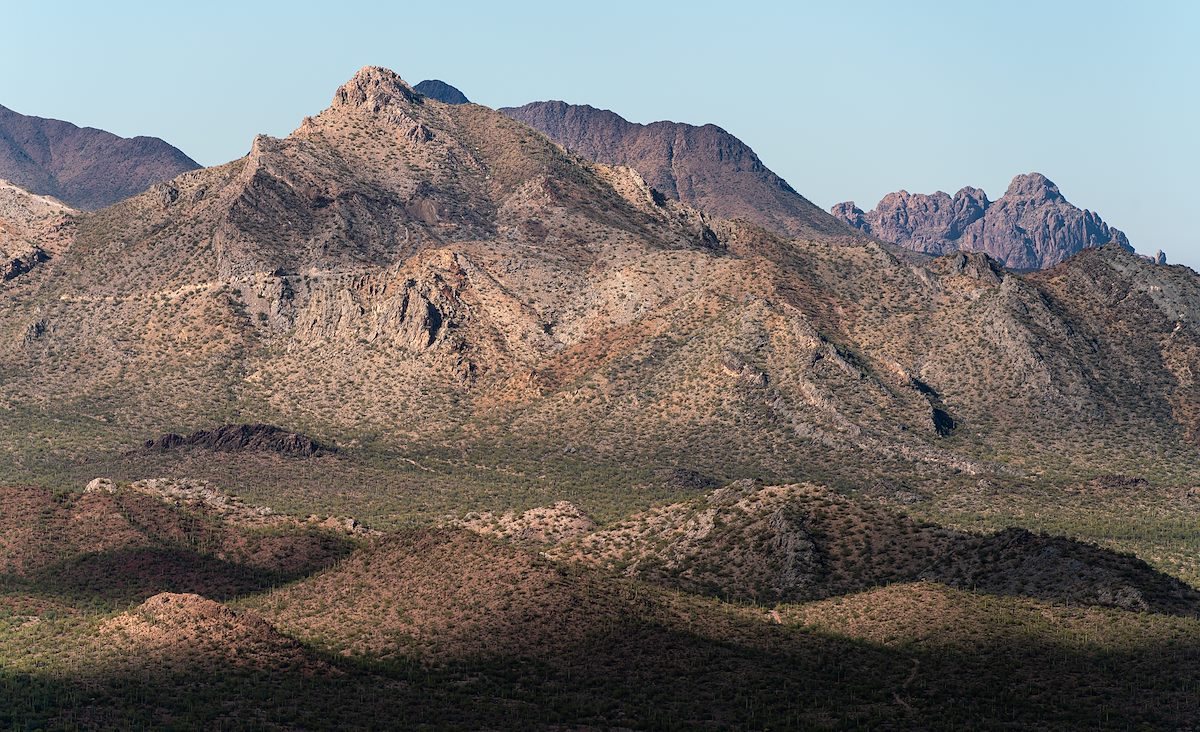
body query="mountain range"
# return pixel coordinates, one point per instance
(704, 167)
(489, 265)
(1031, 227)
(425, 413)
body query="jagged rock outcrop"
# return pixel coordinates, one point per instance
(441, 91)
(542, 525)
(1032, 226)
(82, 166)
(243, 438)
(705, 167)
(32, 229)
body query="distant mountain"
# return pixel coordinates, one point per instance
(1032, 226)
(82, 166)
(441, 91)
(705, 167)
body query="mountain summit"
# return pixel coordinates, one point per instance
(1032, 226)
(441, 91)
(84, 167)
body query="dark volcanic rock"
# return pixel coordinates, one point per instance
(704, 167)
(81, 166)
(441, 91)
(685, 478)
(243, 438)
(19, 265)
(1032, 226)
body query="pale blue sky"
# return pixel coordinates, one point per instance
(846, 100)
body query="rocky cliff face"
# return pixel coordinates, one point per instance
(441, 91)
(84, 167)
(705, 167)
(1032, 226)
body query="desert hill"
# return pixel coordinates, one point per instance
(445, 626)
(795, 543)
(120, 543)
(472, 632)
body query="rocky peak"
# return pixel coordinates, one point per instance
(441, 91)
(849, 212)
(1032, 226)
(1034, 187)
(375, 88)
(969, 196)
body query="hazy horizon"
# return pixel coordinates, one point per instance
(846, 102)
